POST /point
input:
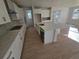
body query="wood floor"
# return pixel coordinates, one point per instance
(64, 48)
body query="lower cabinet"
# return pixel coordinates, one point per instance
(15, 47)
(9, 55)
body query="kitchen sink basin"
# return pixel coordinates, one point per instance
(16, 27)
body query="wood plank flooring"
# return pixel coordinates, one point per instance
(64, 48)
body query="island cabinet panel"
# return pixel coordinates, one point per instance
(48, 37)
(14, 52)
(15, 49)
(9, 54)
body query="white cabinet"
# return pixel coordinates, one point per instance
(45, 13)
(48, 37)
(19, 12)
(16, 8)
(4, 17)
(10, 4)
(18, 44)
(15, 47)
(37, 11)
(10, 54)
(15, 50)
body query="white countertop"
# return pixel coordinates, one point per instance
(48, 26)
(6, 41)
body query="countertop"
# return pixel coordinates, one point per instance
(6, 41)
(7, 37)
(49, 26)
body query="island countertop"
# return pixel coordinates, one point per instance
(6, 41)
(49, 26)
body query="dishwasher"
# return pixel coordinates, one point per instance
(42, 34)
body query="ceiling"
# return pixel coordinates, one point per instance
(45, 3)
(37, 3)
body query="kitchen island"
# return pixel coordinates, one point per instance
(48, 31)
(11, 43)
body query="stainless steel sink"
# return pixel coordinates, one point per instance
(16, 27)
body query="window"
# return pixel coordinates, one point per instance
(73, 34)
(29, 14)
(75, 14)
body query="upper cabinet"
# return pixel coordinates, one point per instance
(45, 13)
(19, 12)
(14, 11)
(37, 11)
(10, 5)
(4, 17)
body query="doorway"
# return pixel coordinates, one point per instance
(29, 18)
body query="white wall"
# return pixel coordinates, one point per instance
(64, 6)
(64, 14)
(65, 3)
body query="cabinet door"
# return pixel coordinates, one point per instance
(45, 13)
(9, 54)
(17, 10)
(21, 41)
(4, 17)
(37, 11)
(16, 50)
(17, 46)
